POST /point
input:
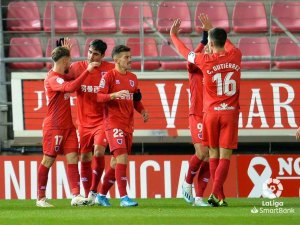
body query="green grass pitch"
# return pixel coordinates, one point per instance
(151, 211)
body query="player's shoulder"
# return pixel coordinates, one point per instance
(131, 74)
(107, 65)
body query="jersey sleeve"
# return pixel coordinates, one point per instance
(59, 84)
(191, 56)
(103, 94)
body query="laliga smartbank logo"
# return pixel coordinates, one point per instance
(272, 189)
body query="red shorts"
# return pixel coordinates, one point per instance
(195, 123)
(90, 136)
(118, 139)
(59, 142)
(220, 130)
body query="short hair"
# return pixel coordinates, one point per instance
(118, 49)
(60, 52)
(98, 45)
(218, 36)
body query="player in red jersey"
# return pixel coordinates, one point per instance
(90, 118)
(119, 91)
(221, 70)
(199, 161)
(59, 134)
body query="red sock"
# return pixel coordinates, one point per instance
(74, 178)
(98, 167)
(221, 194)
(121, 178)
(42, 180)
(203, 178)
(220, 176)
(213, 164)
(194, 165)
(86, 176)
(108, 181)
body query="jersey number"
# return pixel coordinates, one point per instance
(227, 87)
(58, 139)
(118, 133)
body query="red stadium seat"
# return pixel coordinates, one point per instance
(255, 46)
(110, 45)
(98, 17)
(288, 14)
(168, 11)
(65, 17)
(23, 16)
(217, 13)
(75, 50)
(286, 47)
(249, 17)
(166, 50)
(130, 17)
(150, 50)
(26, 48)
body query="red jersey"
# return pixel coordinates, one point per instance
(58, 100)
(196, 87)
(222, 74)
(89, 111)
(118, 113)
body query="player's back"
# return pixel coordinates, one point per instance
(196, 90)
(59, 110)
(222, 72)
(89, 111)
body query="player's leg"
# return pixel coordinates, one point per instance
(98, 164)
(43, 171)
(203, 174)
(71, 153)
(86, 154)
(52, 145)
(108, 181)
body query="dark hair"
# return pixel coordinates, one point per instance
(60, 52)
(118, 49)
(98, 45)
(218, 36)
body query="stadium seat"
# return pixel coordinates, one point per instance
(150, 50)
(23, 16)
(130, 17)
(168, 11)
(167, 51)
(65, 17)
(26, 48)
(75, 50)
(249, 17)
(217, 13)
(288, 14)
(255, 46)
(286, 47)
(110, 45)
(98, 17)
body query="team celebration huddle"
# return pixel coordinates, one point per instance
(107, 96)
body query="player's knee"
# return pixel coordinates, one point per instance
(86, 157)
(72, 158)
(99, 150)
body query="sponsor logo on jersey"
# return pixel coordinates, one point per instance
(224, 106)
(66, 96)
(103, 73)
(60, 80)
(131, 82)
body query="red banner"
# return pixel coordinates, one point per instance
(148, 177)
(265, 104)
(281, 173)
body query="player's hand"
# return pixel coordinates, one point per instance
(175, 29)
(206, 24)
(298, 134)
(92, 65)
(137, 96)
(120, 94)
(145, 116)
(64, 42)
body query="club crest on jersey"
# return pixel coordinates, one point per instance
(119, 141)
(200, 135)
(117, 81)
(102, 83)
(131, 82)
(103, 73)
